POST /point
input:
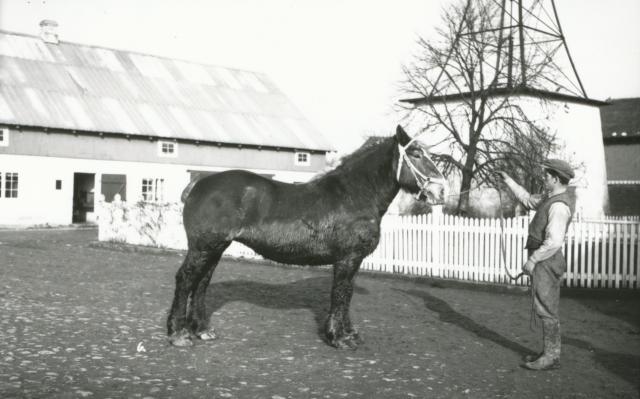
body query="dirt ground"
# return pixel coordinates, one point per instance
(81, 319)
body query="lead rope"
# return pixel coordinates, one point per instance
(533, 321)
(503, 257)
(502, 246)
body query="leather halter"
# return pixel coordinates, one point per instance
(421, 179)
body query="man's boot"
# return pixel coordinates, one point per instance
(532, 358)
(550, 359)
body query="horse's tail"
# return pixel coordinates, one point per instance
(187, 190)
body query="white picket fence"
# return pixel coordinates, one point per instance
(450, 247)
(599, 253)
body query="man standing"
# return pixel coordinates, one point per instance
(546, 263)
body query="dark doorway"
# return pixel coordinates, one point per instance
(83, 189)
(112, 185)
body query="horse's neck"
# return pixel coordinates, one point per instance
(374, 179)
(389, 186)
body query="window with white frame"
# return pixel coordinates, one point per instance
(9, 185)
(167, 149)
(153, 190)
(302, 159)
(4, 137)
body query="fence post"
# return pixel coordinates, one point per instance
(596, 255)
(618, 258)
(436, 223)
(634, 266)
(588, 259)
(625, 265)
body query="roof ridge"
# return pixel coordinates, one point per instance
(262, 74)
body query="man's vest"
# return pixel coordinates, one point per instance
(541, 219)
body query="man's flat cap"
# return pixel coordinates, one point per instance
(559, 166)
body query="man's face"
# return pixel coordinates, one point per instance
(550, 181)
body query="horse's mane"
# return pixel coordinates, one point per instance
(354, 160)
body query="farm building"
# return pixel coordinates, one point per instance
(519, 79)
(621, 135)
(80, 121)
(576, 123)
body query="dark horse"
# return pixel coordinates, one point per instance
(333, 219)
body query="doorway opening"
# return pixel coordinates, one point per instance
(83, 197)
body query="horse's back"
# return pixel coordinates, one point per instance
(231, 183)
(225, 199)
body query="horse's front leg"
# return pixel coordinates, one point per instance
(338, 328)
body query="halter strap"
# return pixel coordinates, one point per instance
(417, 175)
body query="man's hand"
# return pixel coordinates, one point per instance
(528, 267)
(503, 175)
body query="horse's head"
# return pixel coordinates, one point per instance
(415, 170)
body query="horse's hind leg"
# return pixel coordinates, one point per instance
(338, 329)
(197, 318)
(198, 264)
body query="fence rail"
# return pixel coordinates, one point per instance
(607, 218)
(599, 254)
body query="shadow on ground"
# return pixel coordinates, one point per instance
(627, 366)
(624, 365)
(449, 315)
(311, 293)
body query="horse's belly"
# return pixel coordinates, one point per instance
(292, 247)
(309, 245)
(294, 254)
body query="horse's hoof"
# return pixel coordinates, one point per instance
(346, 344)
(350, 342)
(181, 340)
(207, 335)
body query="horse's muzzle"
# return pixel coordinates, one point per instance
(433, 193)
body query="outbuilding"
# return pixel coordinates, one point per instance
(80, 121)
(621, 136)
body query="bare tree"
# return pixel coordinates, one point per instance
(464, 85)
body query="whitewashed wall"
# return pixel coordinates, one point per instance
(579, 132)
(39, 203)
(580, 129)
(150, 224)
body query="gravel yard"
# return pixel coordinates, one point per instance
(84, 319)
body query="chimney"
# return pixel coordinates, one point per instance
(49, 31)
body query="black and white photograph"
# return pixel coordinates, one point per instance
(328, 199)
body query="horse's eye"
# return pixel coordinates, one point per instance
(414, 153)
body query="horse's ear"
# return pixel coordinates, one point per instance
(401, 136)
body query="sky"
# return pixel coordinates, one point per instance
(339, 61)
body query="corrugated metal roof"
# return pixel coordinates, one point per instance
(74, 86)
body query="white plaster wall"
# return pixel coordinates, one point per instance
(39, 203)
(579, 132)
